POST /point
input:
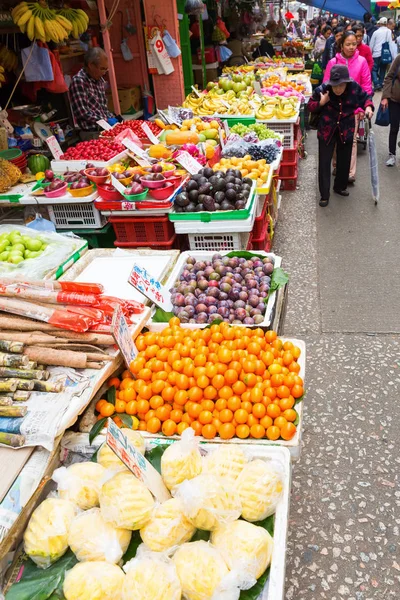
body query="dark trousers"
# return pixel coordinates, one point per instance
(394, 112)
(343, 159)
(378, 72)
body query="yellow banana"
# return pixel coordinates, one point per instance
(48, 30)
(25, 18)
(40, 33)
(30, 29)
(82, 13)
(64, 22)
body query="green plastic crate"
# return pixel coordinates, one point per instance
(240, 119)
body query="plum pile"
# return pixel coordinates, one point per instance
(214, 190)
(233, 290)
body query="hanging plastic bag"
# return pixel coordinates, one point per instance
(37, 64)
(126, 51)
(225, 53)
(171, 45)
(40, 224)
(194, 7)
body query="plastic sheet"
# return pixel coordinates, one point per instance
(168, 527)
(80, 483)
(182, 460)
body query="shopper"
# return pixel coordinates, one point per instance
(359, 72)
(363, 49)
(334, 22)
(370, 25)
(321, 41)
(391, 101)
(381, 36)
(331, 47)
(265, 48)
(336, 101)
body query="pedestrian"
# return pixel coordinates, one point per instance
(370, 26)
(363, 49)
(321, 41)
(391, 101)
(336, 102)
(334, 22)
(331, 47)
(359, 72)
(380, 37)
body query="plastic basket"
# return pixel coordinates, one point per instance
(290, 154)
(218, 242)
(168, 245)
(288, 184)
(76, 216)
(288, 169)
(260, 222)
(146, 230)
(287, 130)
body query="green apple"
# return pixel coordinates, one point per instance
(4, 256)
(35, 254)
(8, 248)
(225, 83)
(15, 259)
(34, 245)
(27, 254)
(18, 246)
(3, 245)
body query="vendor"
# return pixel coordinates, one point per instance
(87, 92)
(265, 48)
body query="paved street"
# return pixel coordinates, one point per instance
(344, 301)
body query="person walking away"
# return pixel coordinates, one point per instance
(363, 49)
(321, 41)
(381, 36)
(336, 101)
(391, 101)
(359, 72)
(331, 47)
(370, 26)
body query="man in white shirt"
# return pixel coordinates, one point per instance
(379, 37)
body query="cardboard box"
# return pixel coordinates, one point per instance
(130, 100)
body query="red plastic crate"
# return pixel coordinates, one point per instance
(290, 154)
(259, 243)
(147, 230)
(259, 222)
(288, 169)
(169, 245)
(288, 184)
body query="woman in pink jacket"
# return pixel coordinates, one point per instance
(359, 71)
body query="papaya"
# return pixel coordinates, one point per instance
(179, 138)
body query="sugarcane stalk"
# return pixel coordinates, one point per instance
(32, 365)
(9, 385)
(6, 401)
(13, 360)
(11, 346)
(13, 411)
(12, 439)
(18, 396)
(21, 373)
(47, 386)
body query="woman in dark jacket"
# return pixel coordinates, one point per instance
(337, 101)
(391, 100)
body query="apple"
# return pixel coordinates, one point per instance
(33, 245)
(225, 83)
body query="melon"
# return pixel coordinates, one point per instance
(38, 163)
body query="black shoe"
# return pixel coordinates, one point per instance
(352, 180)
(324, 202)
(341, 192)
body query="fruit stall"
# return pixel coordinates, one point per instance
(152, 404)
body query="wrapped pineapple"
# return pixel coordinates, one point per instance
(244, 546)
(181, 460)
(167, 527)
(151, 576)
(95, 580)
(109, 460)
(260, 488)
(226, 461)
(208, 501)
(126, 502)
(203, 573)
(46, 537)
(92, 539)
(80, 483)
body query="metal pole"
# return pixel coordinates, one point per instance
(108, 51)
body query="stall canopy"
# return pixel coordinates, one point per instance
(354, 9)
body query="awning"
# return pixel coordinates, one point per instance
(354, 9)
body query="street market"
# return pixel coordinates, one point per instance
(198, 204)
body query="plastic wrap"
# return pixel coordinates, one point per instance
(208, 501)
(226, 461)
(245, 547)
(374, 166)
(92, 539)
(236, 147)
(46, 536)
(151, 576)
(95, 580)
(109, 460)
(126, 502)
(182, 460)
(58, 249)
(80, 483)
(260, 488)
(167, 527)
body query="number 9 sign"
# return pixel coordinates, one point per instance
(159, 45)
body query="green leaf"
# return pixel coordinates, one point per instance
(215, 322)
(299, 399)
(243, 254)
(297, 419)
(42, 584)
(135, 542)
(268, 524)
(112, 395)
(96, 429)
(126, 419)
(279, 279)
(162, 316)
(155, 454)
(201, 535)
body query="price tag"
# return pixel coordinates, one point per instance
(226, 127)
(136, 462)
(150, 287)
(54, 147)
(139, 161)
(128, 206)
(225, 103)
(136, 150)
(118, 185)
(122, 336)
(196, 91)
(104, 125)
(189, 163)
(164, 116)
(149, 133)
(257, 87)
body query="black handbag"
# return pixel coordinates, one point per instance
(313, 120)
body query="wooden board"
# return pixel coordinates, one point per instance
(11, 463)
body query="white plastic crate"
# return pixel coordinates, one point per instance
(76, 216)
(215, 242)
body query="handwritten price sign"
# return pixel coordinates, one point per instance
(150, 287)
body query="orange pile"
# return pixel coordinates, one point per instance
(222, 381)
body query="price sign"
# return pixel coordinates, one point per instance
(196, 91)
(226, 127)
(136, 150)
(150, 287)
(136, 462)
(54, 147)
(118, 185)
(164, 115)
(149, 133)
(128, 206)
(122, 336)
(104, 125)
(189, 163)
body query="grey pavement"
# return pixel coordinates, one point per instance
(344, 301)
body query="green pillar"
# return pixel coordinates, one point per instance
(185, 47)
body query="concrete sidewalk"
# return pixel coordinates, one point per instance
(344, 301)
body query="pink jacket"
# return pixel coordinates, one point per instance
(358, 69)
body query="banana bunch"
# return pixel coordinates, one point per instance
(78, 18)
(2, 78)
(278, 108)
(8, 59)
(38, 21)
(192, 101)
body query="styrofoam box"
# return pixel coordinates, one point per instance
(293, 445)
(60, 166)
(179, 266)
